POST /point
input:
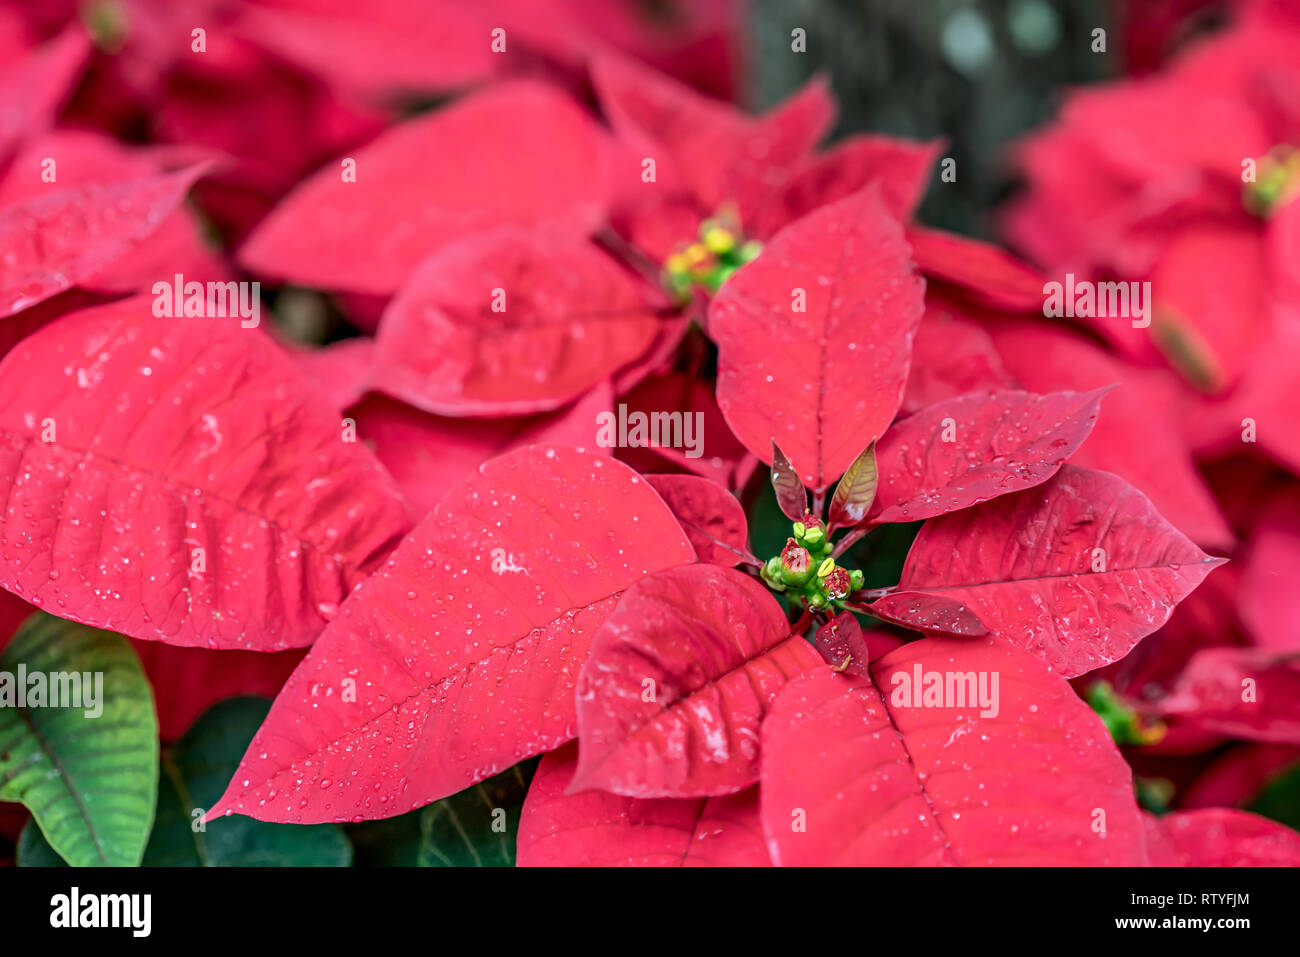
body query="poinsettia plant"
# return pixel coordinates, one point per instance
(883, 611)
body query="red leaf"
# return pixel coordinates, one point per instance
(711, 647)
(709, 449)
(901, 167)
(178, 480)
(188, 681)
(92, 160)
(856, 490)
(1210, 310)
(983, 271)
(843, 646)
(968, 450)
(1135, 435)
(791, 496)
(429, 455)
(511, 322)
(1220, 837)
(1077, 570)
(930, 614)
(1269, 601)
(342, 370)
(710, 516)
(464, 649)
(951, 355)
(530, 157)
(54, 242)
(706, 146)
(1240, 692)
(875, 777)
(599, 829)
(380, 48)
(826, 381)
(33, 89)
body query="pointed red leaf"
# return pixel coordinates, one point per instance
(429, 455)
(856, 490)
(967, 450)
(1077, 570)
(463, 650)
(843, 646)
(709, 647)
(85, 159)
(179, 480)
(901, 167)
(33, 89)
(929, 614)
(706, 146)
(55, 241)
(1240, 692)
(710, 516)
(826, 379)
(599, 829)
(1136, 436)
(982, 271)
(529, 156)
(869, 771)
(1220, 837)
(791, 496)
(511, 322)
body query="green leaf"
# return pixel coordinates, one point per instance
(390, 842)
(195, 772)
(34, 850)
(476, 827)
(89, 779)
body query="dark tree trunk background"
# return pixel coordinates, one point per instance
(978, 72)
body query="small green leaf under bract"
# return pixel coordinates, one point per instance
(89, 772)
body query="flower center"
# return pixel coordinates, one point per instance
(708, 262)
(806, 572)
(1277, 182)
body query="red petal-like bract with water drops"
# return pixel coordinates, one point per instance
(461, 654)
(976, 447)
(511, 322)
(179, 480)
(1219, 837)
(599, 829)
(711, 517)
(519, 153)
(950, 751)
(815, 336)
(1247, 693)
(51, 243)
(1136, 435)
(1077, 570)
(680, 675)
